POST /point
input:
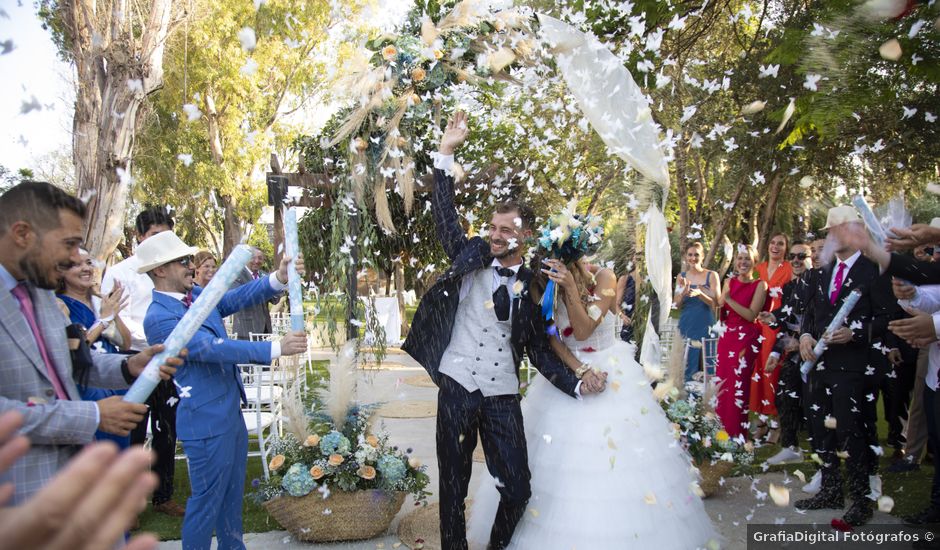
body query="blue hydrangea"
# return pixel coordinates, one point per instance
(392, 468)
(297, 481)
(334, 442)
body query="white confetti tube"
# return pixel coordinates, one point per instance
(871, 221)
(292, 247)
(200, 309)
(837, 322)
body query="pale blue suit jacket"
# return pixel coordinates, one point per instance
(209, 382)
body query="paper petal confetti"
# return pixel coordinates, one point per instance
(779, 494)
(885, 504)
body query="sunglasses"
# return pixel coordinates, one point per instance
(185, 261)
(801, 256)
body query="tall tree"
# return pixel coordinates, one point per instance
(233, 74)
(117, 48)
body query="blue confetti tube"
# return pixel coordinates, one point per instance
(184, 331)
(837, 322)
(871, 221)
(292, 247)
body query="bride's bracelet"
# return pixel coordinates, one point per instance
(581, 370)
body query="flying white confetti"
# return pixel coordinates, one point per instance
(768, 71)
(787, 113)
(185, 158)
(249, 68)
(806, 182)
(753, 108)
(192, 112)
(908, 112)
(812, 79)
(8, 46)
(32, 105)
(247, 38)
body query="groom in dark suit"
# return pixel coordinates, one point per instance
(843, 378)
(470, 332)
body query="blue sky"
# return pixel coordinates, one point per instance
(31, 69)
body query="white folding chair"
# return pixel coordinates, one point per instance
(709, 357)
(262, 414)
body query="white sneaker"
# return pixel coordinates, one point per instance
(814, 484)
(787, 455)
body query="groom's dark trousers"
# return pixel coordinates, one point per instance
(498, 420)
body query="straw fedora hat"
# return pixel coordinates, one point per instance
(162, 248)
(839, 215)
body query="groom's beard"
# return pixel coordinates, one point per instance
(505, 250)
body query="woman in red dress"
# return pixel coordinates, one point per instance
(775, 272)
(740, 301)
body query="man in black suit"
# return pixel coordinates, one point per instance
(470, 332)
(839, 383)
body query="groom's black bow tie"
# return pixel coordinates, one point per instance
(501, 295)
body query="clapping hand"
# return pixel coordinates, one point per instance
(114, 303)
(455, 133)
(917, 331)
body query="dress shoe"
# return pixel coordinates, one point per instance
(170, 508)
(814, 484)
(906, 464)
(821, 501)
(929, 515)
(787, 455)
(859, 512)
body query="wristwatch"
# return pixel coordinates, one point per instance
(581, 370)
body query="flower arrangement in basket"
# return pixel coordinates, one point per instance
(330, 478)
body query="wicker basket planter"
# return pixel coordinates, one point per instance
(352, 516)
(712, 472)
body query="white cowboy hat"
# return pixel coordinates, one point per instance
(935, 223)
(841, 214)
(162, 248)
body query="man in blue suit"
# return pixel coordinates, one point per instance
(209, 420)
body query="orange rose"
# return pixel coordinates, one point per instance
(335, 460)
(418, 74)
(366, 472)
(312, 441)
(317, 472)
(276, 462)
(372, 440)
(389, 52)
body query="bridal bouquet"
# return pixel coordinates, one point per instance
(700, 432)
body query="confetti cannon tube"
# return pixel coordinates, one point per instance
(141, 389)
(837, 322)
(871, 221)
(292, 247)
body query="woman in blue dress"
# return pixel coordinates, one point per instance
(98, 316)
(696, 295)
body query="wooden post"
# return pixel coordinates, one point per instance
(278, 215)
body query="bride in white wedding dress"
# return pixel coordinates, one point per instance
(607, 471)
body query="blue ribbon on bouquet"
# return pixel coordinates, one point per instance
(548, 309)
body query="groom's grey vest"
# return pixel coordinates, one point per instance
(479, 356)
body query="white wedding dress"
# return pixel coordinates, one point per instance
(607, 471)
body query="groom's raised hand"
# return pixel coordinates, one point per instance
(455, 133)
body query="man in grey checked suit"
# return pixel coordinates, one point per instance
(40, 235)
(256, 318)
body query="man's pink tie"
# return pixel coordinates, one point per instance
(21, 293)
(837, 287)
